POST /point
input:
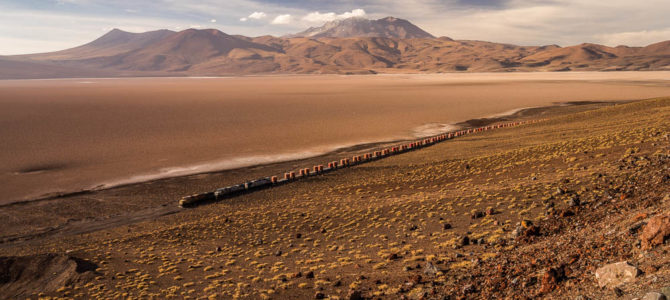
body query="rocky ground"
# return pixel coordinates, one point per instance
(529, 212)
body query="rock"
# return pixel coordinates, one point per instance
(560, 191)
(617, 291)
(392, 256)
(565, 213)
(550, 279)
(319, 295)
(655, 232)
(574, 201)
(278, 253)
(309, 275)
(526, 223)
(649, 270)
(468, 289)
(529, 231)
(446, 226)
(44, 273)
(666, 291)
(464, 241)
(477, 215)
(430, 269)
(490, 211)
(615, 274)
(354, 295)
(416, 279)
(640, 216)
(218, 249)
(298, 235)
(654, 296)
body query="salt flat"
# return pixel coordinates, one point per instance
(70, 134)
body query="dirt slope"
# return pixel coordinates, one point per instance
(521, 212)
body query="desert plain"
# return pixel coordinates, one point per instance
(530, 211)
(67, 135)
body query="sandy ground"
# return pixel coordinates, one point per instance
(61, 136)
(585, 182)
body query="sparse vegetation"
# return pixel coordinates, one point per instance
(375, 227)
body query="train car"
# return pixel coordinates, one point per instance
(228, 191)
(193, 199)
(258, 183)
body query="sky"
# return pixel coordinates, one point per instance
(31, 26)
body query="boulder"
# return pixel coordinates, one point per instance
(655, 232)
(354, 295)
(654, 296)
(20, 275)
(551, 278)
(616, 274)
(430, 269)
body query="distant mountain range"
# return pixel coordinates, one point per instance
(350, 46)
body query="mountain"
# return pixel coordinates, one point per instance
(185, 49)
(388, 27)
(112, 43)
(350, 46)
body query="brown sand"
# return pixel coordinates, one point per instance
(67, 135)
(380, 228)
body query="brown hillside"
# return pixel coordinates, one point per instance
(195, 52)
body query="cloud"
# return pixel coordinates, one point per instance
(67, 23)
(317, 17)
(635, 38)
(282, 19)
(541, 22)
(257, 15)
(212, 21)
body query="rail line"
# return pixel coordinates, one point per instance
(292, 176)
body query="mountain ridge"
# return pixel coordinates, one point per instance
(210, 52)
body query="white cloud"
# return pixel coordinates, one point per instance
(562, 22)
(635, 38)
(527, 22)
(212, 21)
(317, 17)
(282, 19)
(257, 15)
(359, 12)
